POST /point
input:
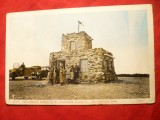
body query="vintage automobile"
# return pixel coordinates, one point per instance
(26, 72)
(44, 72)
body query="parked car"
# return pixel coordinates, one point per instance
(22, 71)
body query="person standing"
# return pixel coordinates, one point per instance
(22, 68)
(51, 76)
(71, 74)
(57, 75)
(76, 73)
(62, 75)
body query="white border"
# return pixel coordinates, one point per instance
(147, 7)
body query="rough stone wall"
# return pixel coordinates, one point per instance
(95, 59)
(81, 39)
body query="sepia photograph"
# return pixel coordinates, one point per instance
(80, 56)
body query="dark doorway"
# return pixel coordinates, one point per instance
(60, 62)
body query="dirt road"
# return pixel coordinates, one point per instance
(124, 88)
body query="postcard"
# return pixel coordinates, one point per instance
(80, 56)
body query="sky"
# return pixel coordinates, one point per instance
(32, 37)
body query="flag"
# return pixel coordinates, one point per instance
(79, 22)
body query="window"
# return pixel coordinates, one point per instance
(72, 45)
(84, 65)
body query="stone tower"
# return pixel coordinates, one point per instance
(76, 42)
(96, 64)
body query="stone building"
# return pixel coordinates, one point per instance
(96, 64)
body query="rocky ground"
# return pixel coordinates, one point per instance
(124, 88)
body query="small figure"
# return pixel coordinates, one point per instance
(76, 73)
(22, 69)
(57, 75)
(62, 75)
(51, 75)
(71, 74)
